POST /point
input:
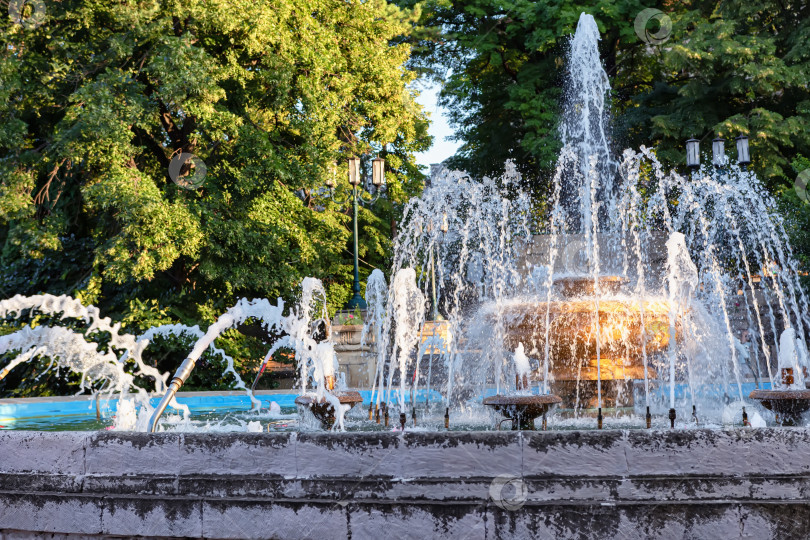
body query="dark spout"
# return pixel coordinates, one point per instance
(672, 418)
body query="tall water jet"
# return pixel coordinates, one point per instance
(588, 183)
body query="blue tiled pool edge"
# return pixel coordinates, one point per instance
(19, 408)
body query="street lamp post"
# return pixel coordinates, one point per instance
(356, 198)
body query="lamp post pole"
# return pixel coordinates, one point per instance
(356, 198)
(356, 301)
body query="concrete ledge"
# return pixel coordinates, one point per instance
(628, 484)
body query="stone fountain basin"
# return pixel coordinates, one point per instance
(633, 484)
(789, 405)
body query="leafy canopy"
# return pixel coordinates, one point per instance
(97, 100)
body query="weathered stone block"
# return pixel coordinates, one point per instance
(238, 454)
(38, 451)
(274, 519)
(574, 453)
(352, 454)
(687, 452)
(75, 514)
(418, 521)
(120, 454)
(152, 516)
(460, 454)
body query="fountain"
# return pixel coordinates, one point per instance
(607, 297)
(610, 300)
(616, 297)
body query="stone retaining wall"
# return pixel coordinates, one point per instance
(577, 484)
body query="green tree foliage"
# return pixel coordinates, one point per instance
(97, 101)
(728, 67)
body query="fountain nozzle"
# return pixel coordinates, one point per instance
(370, 411)
(745, 418)
(180, 376)
(599, 418)
(402, 420)
(694, 414)
(672, 418)
(413, 414)
(385, 410)
(649, 418)
(447, 418)
(377, 413)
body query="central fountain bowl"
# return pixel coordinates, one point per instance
(523, 409)
(323, 410)
(627, 330)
